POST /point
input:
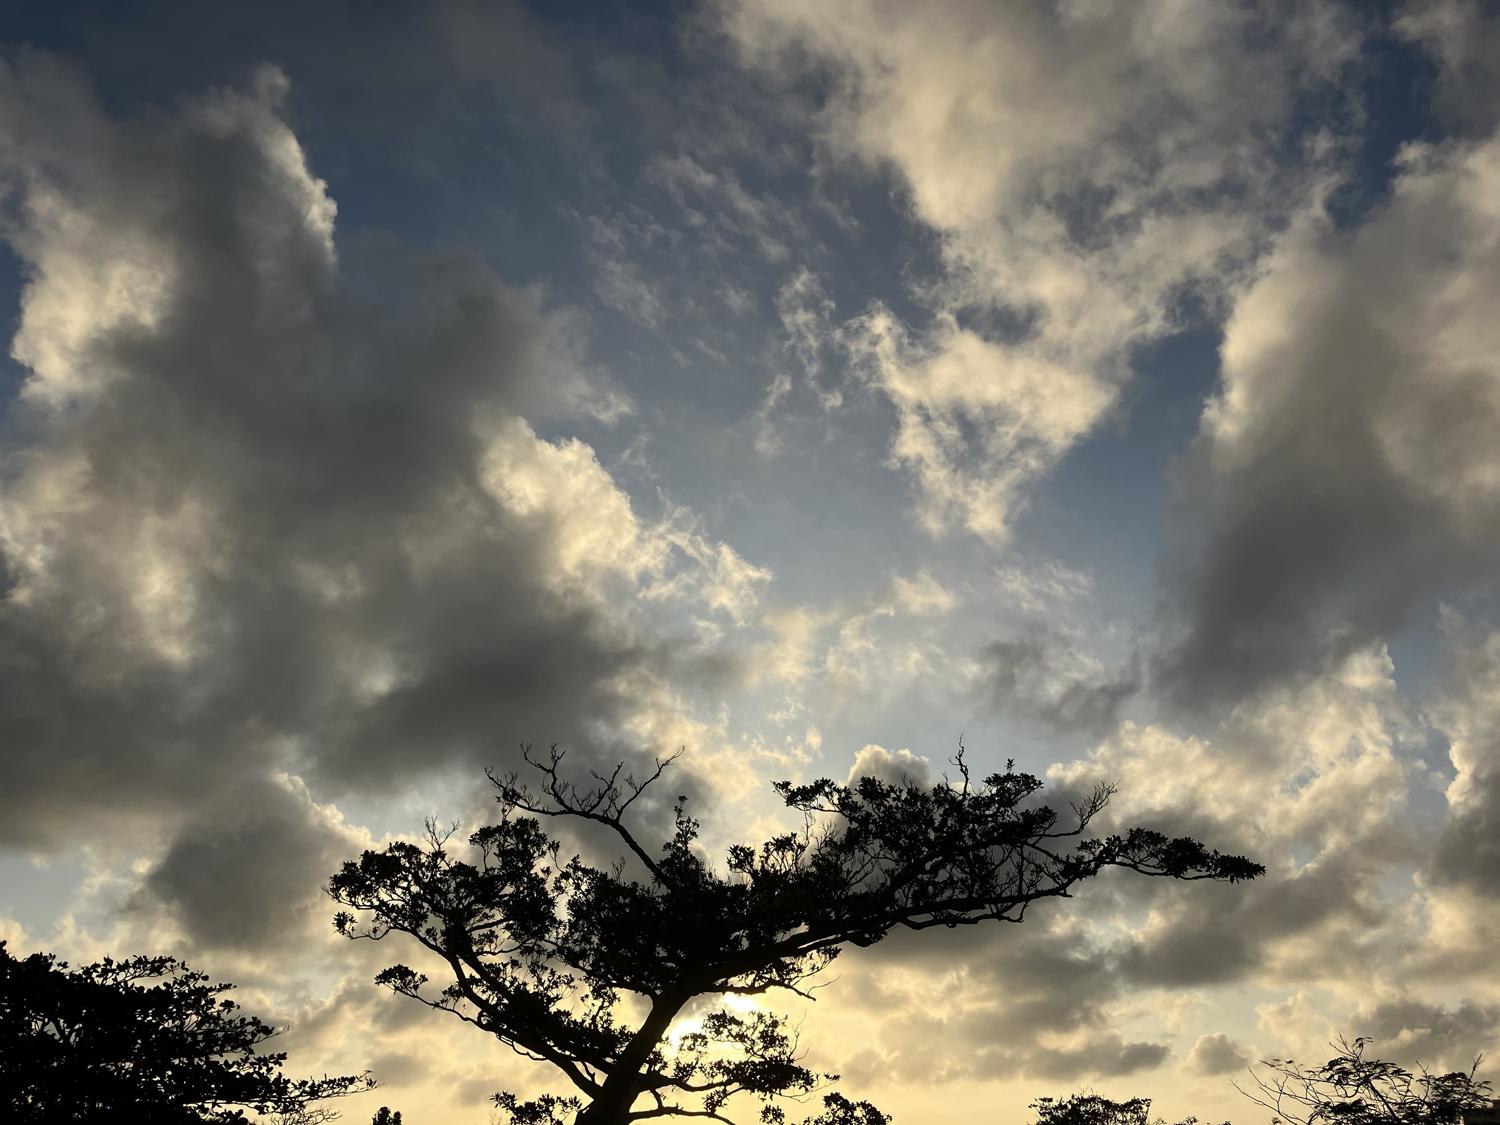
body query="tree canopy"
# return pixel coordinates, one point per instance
(1095, 1109)
(587, 968)
(143, 1039)
(1092, 1109)
(1354, 1090)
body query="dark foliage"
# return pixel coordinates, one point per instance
(542, 951)
(143, 1039)
(1351, 1089)
(1093, 1109)
(384, 1116)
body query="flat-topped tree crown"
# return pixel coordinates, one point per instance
(542, 951)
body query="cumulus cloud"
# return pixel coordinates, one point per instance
(894, 767)
(1215, 1054)
(1410, 1032)
(251, 878)
(1345, 470)
(1083, 167)
(1468, 849)
(276, 503)
(1311, 779)
(1416, 1031)
(1313, 783)
(1036, 1001)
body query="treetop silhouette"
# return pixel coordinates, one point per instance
(1094, 1109)
(1354, 1090)
(543, 952)
(144, 1039)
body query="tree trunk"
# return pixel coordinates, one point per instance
(622, 1087)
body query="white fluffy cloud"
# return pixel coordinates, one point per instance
(1313, 782)
(1084, 166)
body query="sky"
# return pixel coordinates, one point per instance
(1110, 386)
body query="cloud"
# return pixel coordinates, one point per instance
(1345, 470)
(831, 657)
(252, 877)
(921, 595)
(1047, 587)
(1416, 1031)
(1312, 782)
(1222, 936)
(894, 767)
(942, 1007)
(1082, 168)
(718, 201)
(617, 281)
(1468, 849)
(1040, 675)
(1458, 929)
(975, 423)
(1464, 39)
(1215, 1054)
(277, 508)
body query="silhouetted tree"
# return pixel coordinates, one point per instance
(143, 1039)
(1093, 1109)
(1354, 1090)
(384, 1116)
(541, 952)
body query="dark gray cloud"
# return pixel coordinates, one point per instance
(271, 503)
(1107, 1056)
(995, 995)
(1468, 848)
(1040, 676)
(1467, 851)
(1206, 935)
(1413, 1032)
(1344, 474)
(251, 878)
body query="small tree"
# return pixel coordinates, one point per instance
(1354, 1090)
(384, 1116)
(541, 952)
(143, 1039)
